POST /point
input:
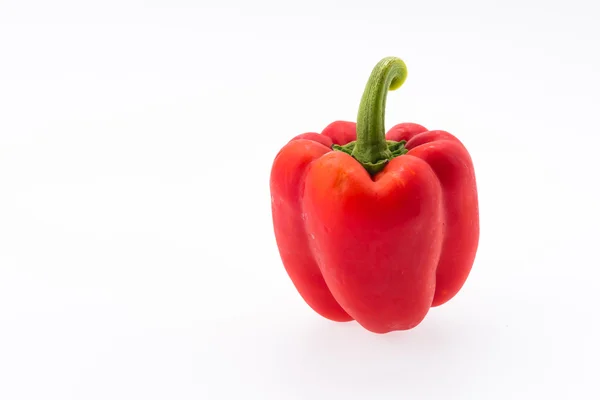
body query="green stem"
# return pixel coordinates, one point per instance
(371, 148)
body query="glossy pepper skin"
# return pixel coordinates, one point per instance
(372, 226)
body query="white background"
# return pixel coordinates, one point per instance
(137, 259)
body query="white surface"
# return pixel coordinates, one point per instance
(137, 259)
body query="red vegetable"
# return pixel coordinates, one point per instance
(371, 226)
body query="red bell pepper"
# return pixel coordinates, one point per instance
(371, 226)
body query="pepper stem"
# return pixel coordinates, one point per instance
(371, 148)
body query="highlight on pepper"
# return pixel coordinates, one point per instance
(372, 226)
